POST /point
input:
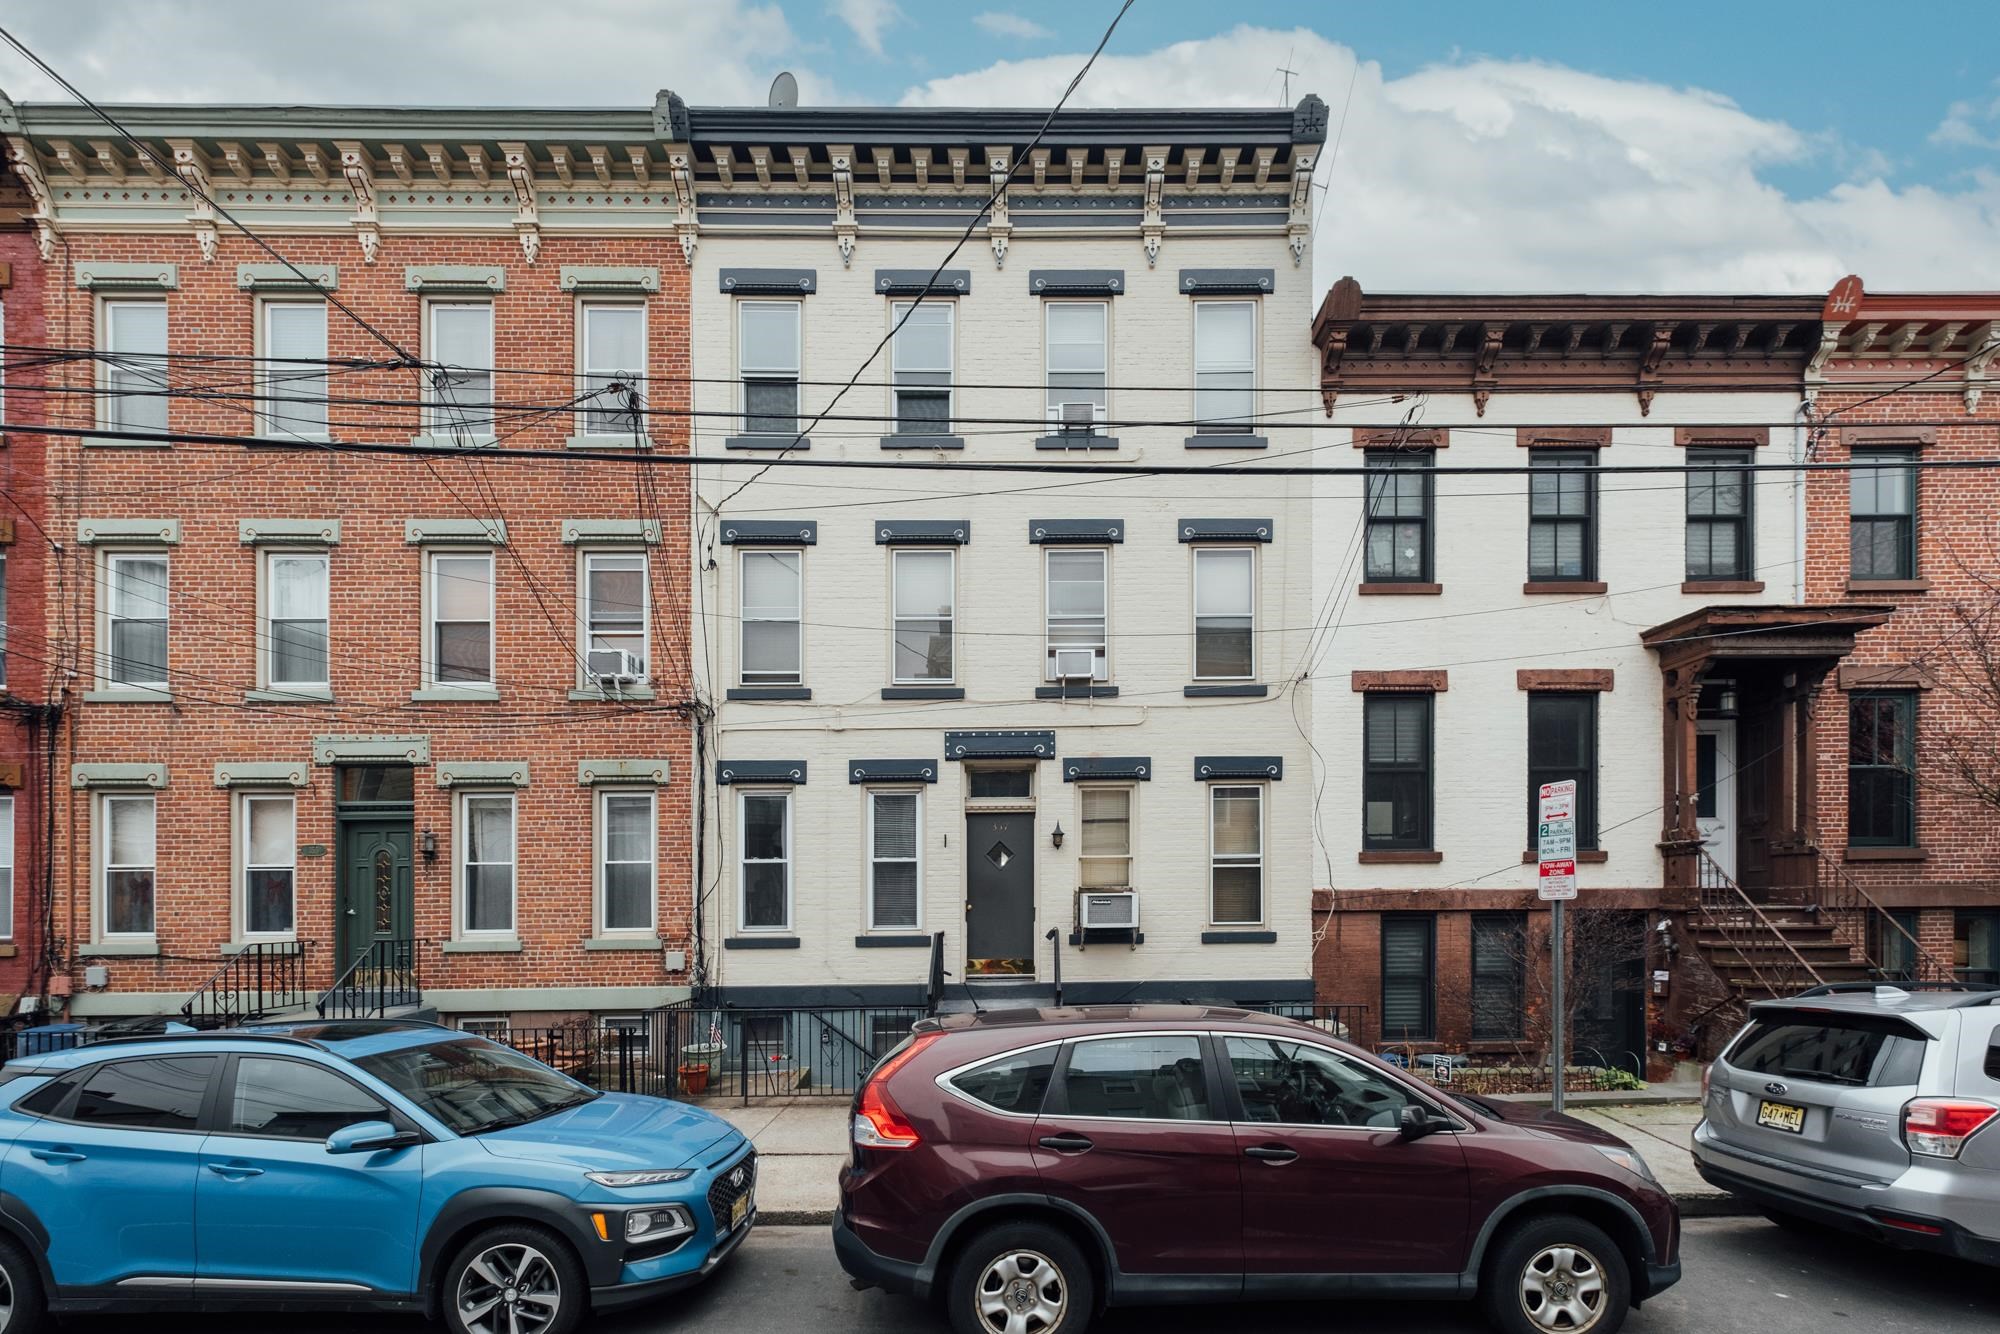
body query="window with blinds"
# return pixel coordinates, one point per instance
(893, 860)
(1562, 745)
(1225, 366)
(1407, 982)
(1396, 771)
(295, 385)
(1236, 855)
(1498, 975)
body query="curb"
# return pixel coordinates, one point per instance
(1623, 1098)
(1704, 1204)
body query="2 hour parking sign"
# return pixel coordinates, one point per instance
(1556, 840)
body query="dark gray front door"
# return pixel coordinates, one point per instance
(376, 900)
(1000, 894)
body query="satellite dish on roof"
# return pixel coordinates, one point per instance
(784, 90)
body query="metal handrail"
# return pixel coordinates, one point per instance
(392, 957)
(1726, 893)
(1859, 900)
(269, 972)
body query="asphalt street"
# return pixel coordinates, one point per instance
(1742, 1274)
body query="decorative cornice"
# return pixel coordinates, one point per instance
(262, 773)
(288, 532)
(728, 772)
(280, 278)
(150, 777)
(1057, 532)
(1211, 767)
(1085, 768)
(624, 532)
(431, 278)
(599, 773)
(922, 532)
(767, 282)
(1000, 744)
(123, 276)
(1229, 530)
(377, 749)
(919, 282)
(609, 278)
(455, 531)
(99, 532)
(892, 771)
(770, 532)
(483, 773)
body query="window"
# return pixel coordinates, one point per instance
(1562, 744)
(294, 1100)
(135, 591)
(270, 864)
(1976, 947)
(1881, 769)
(765, 830)
(1499, 965)
(614, 361)
(295, 383)
(296, 596)
(486, 876)
(1144, 1078)
(626, 842)
(494, 1028)
(1225, 366)
(460, 393)
(1235, 855)
(773, 591)
(922, 360)
(1396, 771)
(768, 358)
(1225, 600)
(1271, 1073)
(1077, 335)
(1077, 617)
(925, 596)
(135, 371)
(462, 618)
(6, 866)
(1860, 1051)
(1399, 517)
(1407, 988)
(1882, 503)
(1562, 515)
(1894, 946)
(1013, 1083)
(1104, 858)
(1000, 784)
(1718, 515)
(895, 870)
(163, 1093)
(615, 613)
(126, 891)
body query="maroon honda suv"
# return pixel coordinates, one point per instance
(1028, 1168)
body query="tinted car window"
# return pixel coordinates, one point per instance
(295, 1100)
(163, 1093)
(47, 1098)
(473, 1085)
(1139, 1078)
(1013, 1083)
(1294, 1084)
(1858, 1051)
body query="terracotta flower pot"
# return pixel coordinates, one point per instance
(694, 1079)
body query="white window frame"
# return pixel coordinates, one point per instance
(795, 373)
(1226, 425)
(244, 865)
(744, 620)
(431, 661)
(1131, 854)
(592, 419)
(1049, 372)
(600, 862)
(897, 614)
(789, 861)
(1101, 668)
(281, 383)
(587, 608)
(106, 393)
(1248, 553)
(102, 878)
(439, 416)
(7, 864)
(1258, 859)
(492, 1027)
(916, 795)
(461, 850)
(897, 370)
(267, 639)
(107, 617)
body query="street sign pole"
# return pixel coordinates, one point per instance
(1556, 883)
(1556, 1002)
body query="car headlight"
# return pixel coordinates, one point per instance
(1628, 1159)
(654, 1176)
(655, 1224)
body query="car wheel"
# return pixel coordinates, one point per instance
(513, 1279)
(21, 1302)
(1556, 1275)
(1021, 1278)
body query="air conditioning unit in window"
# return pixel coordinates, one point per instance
(1078, 418)
(1075, 664)
(614, 666)
(1116, 910)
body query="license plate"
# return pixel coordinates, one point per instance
(1782, 1116)
(739, 1211)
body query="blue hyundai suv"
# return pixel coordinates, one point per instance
(378, 1164)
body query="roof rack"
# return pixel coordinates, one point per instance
(1983, 990)
(176, 1036)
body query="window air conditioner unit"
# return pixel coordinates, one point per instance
(614, 666)
(1075, 664)
(1076, 417)
(1114, 911)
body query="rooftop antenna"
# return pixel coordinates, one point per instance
(1288, 72)
(784, 90)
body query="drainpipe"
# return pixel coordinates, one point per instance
(1799, 503)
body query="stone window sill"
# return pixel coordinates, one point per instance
(892, 942)
(1399, 590)
(127, 695)
(599, 695)
(1076, 692)
(138, 947)
(1723, 586)
(1399, 857)
(915, 441)
(1241, 690)
(766, 442)
(1234, 937)
(455, 440)
(609, 442)
(775, 941)
(295, 695)
(1226, 441)
(770, 693)
(1077, 440)
(1559, 586)
(125, 444)
(1888, 585)
(492, 945)
(1584, 857)
(455, 695)
(622, 943)
(923, 692)
(1885, 854)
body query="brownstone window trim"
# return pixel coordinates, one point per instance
(1397, 437)
(1583, 587)
(1888, 437)
(1562, 437)
(1432, 681)
(1723, 586)
(1727, 437)
(1398, 590)
(1572, 679)
(1584, 856)
(1880, 854)
(1888, 585)
(1884, 676)
(1398, 857)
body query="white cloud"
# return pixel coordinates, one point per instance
(1961, 126)
(867, 18)
(1000, 23)
(1490, 175)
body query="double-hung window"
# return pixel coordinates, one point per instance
(764, 853)
(1078, 614)
(461, 607)
(1225, 366)
(1881, 769)
(895, 867)
(1077, 338)
(486, 863)
(613, 356)
(6, 866)
(1718, 515)
(615, 614)
(134, 376)
(924, 589)
(270, 863)
(1499, 968)
(1399, 517)
(1396, 771)
(1104, 858)
(295, 614)
(773, 591)
(126, 863)
(135, 592)
(1562, 515)
(460, 390)
(295, 383)
(1225, 599)
(768, 357)
(922, 358)
(625, 848)
(1409, 986)
(1882, 505)
(1562, 744)
(1235, 855)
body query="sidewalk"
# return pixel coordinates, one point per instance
(802, 1142)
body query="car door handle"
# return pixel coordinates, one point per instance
(58, 1155)
(1275, 1154)
(235, 1171)
(1065, 1143)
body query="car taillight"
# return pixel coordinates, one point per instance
(878, 1122)
(1939, 1127)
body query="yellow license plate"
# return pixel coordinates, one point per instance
(1782, 1116)
(739, 1211)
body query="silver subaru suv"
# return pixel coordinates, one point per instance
(1870, 1108)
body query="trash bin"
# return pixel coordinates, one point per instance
(50, 1037)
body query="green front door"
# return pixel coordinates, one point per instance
(377, 897)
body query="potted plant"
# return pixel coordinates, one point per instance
(697, 1060)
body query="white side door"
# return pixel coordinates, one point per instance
(1715, 801)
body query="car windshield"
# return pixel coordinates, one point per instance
(473, 1085)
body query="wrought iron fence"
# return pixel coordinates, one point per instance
(263, 977)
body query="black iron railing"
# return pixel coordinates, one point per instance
(382, 977)
(262, 978)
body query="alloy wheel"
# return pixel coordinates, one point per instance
(510, 1288)
(6, 1300)
(1563, 1289)
(1021, 1292)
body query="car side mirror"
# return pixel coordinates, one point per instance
(370, 1137)
(1415, 1121)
